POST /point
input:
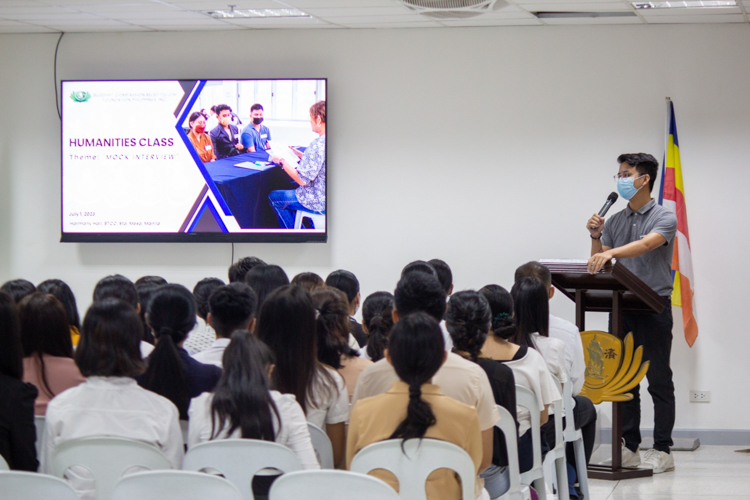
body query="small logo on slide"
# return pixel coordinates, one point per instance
(80, 96)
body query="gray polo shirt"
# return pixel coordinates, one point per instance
(626, 226)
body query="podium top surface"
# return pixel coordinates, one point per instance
(570, 276)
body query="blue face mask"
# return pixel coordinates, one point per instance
(626, 188)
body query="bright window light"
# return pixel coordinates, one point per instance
(255, 13)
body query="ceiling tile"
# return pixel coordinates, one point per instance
(275, 22)
(576, 7)
(424, 24)
(688, 12)
(124, 7)
(223, 5)
(176, 15)
(175, 27)
(713, 18)
(360, 11)
(198, 21)
(26, 28)
(594, 20)
(324, 4)
(477, 22)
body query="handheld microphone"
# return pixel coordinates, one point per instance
(611, 199)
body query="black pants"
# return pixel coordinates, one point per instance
(584, 418)
(654, 332)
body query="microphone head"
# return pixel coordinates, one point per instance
(612, 197)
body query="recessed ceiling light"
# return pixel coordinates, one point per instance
(234, 13)
(686, 4)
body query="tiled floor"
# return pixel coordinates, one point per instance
(709, 473)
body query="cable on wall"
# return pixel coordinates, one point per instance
(57, 96)
(232, 254)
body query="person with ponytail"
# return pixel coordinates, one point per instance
(469, 321)
(529, 369)
(243, 406)
(414, 408)
(286, 324)
(377, 322)
(171, 371)
(332, 324)
(110, 402)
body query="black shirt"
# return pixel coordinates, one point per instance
(17, 429)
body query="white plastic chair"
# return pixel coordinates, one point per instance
(16, 485)
(535, 475)
(239, 460)
(3, 464)
(319, 220)
(39, 424)
(161, 485)
(107, 458)
(412, 465)
(330, 485)
(507, 426)
(573, 435)
(323, 447)
(555, 465)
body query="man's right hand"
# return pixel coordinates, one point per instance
(595, 225)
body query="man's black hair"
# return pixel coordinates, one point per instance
(117, 286)
(444, 273)
(222, 107)
(256, 106)
(534, 269)
(419, 266)
(202, 291)
(231, 306)
(644, 163)
(239, 269)
(345, 281)
(420, 292)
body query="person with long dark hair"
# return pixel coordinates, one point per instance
(333, 332)
(242, 405)
(348, 283)
(64, 294)
(109, 402)
(18, 289)
(47, 348)
(264, 279)
(377, 322)
(469, 320)
(286, 324)
(171, 372)
(17, 430)
(529, 368)
(146, 286)
(414, 408)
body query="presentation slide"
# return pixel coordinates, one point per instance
(169, 160)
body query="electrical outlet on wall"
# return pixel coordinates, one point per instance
(700, 396)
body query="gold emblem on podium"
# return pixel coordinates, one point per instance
(613, 367)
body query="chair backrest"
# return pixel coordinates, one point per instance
(239, 460)
(3, 464)
(570, 427)
(415, 462)
(160, 485)
(507, 425)
(322, 444)
(330, 485)
(557, 407)
(527, 399)
(107, 458)
(39, 424)
(17, 485)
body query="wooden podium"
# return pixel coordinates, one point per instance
(615, 290)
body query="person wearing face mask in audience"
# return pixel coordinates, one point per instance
(641, 237)
(199, 138)
(255, 136)
(225, 135)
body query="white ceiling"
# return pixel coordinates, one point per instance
(48, 16)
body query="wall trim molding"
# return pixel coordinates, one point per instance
(735, 437)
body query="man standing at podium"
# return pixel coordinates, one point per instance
(641, 237)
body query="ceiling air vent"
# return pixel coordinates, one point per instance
(453, 9)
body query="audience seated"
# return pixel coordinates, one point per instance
(286, 324)
(64, 294)
(202, 335)
(17, 430)
(242, 405)
(349, 284)
(109, 402)
(308, 281)
(230, 307)
(469, 321)
(47, 348)
(458, 378)
(171, 371)
(415, 408)
(444, 274)
(377, 322)
(146, 286)
(18, 289)
(264, 279)
(529, 368)
(120, 287)
(333, 333)
(239, 269)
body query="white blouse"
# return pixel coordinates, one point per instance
(109, 406)
(294, 433)
(335, 409)
(532, 373)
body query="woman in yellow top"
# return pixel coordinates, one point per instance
(414, 408)
(199, 138)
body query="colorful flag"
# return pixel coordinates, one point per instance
(672, 196)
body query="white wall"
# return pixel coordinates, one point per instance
(485, 147)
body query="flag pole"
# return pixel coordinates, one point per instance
(666, 147)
